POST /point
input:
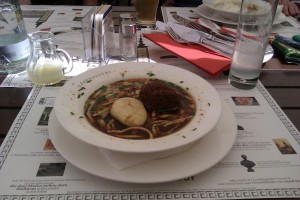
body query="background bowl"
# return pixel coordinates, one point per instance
(69, 107)
(233, 14)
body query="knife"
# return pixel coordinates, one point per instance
(220, 31)
(208, 30)
(188, 23)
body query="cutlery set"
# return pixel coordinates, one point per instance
(206, 26)
(208, 33)
(222, 50)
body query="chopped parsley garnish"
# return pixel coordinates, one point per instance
(102, 88)
(82, 88)
(150, 74)
(174, 86)
(123, 74)
(79, 95)
(121, 88)
(97, 101)
(72, 113)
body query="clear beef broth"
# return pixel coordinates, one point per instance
(160, 122)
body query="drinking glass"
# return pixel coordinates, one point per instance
(146, 13)
(254, 26)
(14, 44)
(46, 64)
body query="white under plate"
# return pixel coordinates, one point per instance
(206, 153)
(208, 13)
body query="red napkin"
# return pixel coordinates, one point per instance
(200, 56)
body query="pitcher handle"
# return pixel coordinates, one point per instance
(70, 62)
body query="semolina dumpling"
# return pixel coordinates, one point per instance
(129, 111)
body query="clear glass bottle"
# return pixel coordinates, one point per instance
(128, 40)
(14, 43)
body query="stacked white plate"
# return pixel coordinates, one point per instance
(198, 146)
(224, 15)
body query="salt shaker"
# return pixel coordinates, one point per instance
(123, 17)
(128, 40)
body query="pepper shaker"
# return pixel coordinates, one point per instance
(124, 17)
(128, 40)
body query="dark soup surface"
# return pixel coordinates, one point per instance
(140, 108)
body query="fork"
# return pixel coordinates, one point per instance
(208, 44)
(174, 35)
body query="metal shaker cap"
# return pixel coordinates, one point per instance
(126, 16)
(128, 28)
